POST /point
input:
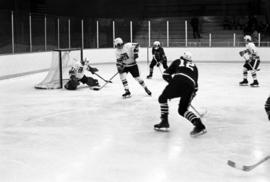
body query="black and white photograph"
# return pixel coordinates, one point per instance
(135, 91)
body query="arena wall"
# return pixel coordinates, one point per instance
(28, 63)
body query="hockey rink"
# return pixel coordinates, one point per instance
(96, 136)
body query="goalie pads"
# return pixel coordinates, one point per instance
(72, 83)
(92, 82)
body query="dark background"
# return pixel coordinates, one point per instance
(139, 8)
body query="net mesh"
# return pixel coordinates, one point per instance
(53, 78)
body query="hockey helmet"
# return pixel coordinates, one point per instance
(156, 44)
(118, 42)
(187, 55)
(247, 38)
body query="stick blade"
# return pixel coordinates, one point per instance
(234, 165)
(237, 166)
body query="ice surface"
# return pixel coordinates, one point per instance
(96, 136)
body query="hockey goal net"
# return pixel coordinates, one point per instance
(62, 61)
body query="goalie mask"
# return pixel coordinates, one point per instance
(156, 44)
(247, 38)
(187, 56)
(118, 43)
(77, 65)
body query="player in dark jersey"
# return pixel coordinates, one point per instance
(159, 57)
(267, 107)
(184, 84)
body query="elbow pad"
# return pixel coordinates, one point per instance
(167, 77)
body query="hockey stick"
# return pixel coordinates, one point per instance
(157, 64)
(246, 167)
(99, 88)
(102, 78)
(197, 112)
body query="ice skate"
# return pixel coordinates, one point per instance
(198, 130)
(163, 125)
(127, 94)
(244, 82)
(147, 91)
(255, 83)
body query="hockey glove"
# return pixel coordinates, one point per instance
(72, 71)
(92, 69)
(241, 53)
(120, 67)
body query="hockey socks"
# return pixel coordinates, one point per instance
(164, 124)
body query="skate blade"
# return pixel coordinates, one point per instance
(126, 97)
(199, 134)
(243, 84)
(254, 86)
(161, 129)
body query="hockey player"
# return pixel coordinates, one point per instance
(159, 57)
(77, 76)
(252, 62)
(267, 107)
(126, 55)
(182, 78)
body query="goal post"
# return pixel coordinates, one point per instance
(62, 61)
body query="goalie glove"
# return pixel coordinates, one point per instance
(72, 71)
(241, 53)
(92, 69)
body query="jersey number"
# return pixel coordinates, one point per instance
(187, 65)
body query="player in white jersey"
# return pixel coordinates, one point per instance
(77, 76)
(252, 62)
(267, 107)
(126, 55)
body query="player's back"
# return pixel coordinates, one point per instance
(183, 68)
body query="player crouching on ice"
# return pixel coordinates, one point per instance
(126, 55)
(252, 62)
(183, 84)
(77, 76)
(159, 57)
